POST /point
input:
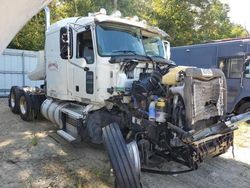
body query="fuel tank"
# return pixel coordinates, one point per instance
(50, 109)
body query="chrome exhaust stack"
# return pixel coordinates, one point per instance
(47, 17)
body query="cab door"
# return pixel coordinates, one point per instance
(84, 64)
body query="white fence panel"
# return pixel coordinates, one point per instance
(14, 66)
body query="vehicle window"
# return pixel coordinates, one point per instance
(232, 67)
(119, 40)
(153, 46)
(85, 46)
(223, 65)
(89, 82)
(248, 68)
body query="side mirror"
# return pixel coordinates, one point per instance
(66, 42)
(167, 52)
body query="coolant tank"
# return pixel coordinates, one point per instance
(151, 111)
(171, 78)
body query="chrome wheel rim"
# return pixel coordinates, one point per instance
(134, 154)
(23, 105)
(12, 100)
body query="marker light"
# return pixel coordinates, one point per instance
(144, 22)
(103, 11)
(117, 13)
(136, 18)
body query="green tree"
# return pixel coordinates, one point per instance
(186, 21)
(31, 37)
(175, 17)
(214, 22)
(238, 31)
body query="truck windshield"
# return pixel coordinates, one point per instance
(114, 39)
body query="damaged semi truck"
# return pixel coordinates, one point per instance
(108, 79)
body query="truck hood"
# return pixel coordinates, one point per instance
(14, 15)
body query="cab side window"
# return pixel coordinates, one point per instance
(232, 67)
(85, 46)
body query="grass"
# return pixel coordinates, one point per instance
(34, 140)
(95, 178)
(103, 174)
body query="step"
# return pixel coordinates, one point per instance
(76, 111)
(66, 136)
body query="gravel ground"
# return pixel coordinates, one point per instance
(33, 155)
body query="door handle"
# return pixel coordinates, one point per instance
(86, 69)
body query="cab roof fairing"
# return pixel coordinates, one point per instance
(102, 19)
(131, 22)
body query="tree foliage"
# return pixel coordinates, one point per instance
(186, 21)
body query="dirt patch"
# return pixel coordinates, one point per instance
(33, 155)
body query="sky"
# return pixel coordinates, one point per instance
(239, 12)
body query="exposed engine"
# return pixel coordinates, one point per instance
(175, 112)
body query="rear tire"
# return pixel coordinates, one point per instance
(245, 107)
(121, 161)
(14, 98)
(26, 107)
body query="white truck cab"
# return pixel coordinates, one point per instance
(78, 53)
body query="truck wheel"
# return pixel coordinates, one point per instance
(14, 99)
(26, 107)
(121, 161)
(244, 108)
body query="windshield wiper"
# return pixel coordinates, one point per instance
(125, 52)
(157, 56)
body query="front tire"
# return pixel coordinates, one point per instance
(121, 161)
